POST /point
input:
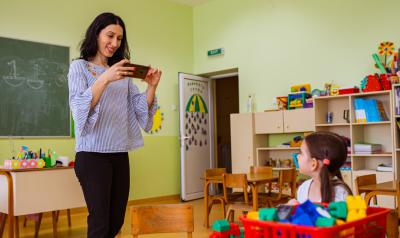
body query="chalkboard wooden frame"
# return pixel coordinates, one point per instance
(33, 90)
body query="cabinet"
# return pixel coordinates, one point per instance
(341, 108)
(250, 135)
(284, 121)
(243, 142)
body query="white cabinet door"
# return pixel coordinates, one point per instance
(268, 122)
(242, 142)
(299, 120)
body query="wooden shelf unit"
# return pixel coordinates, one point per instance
(369, 132)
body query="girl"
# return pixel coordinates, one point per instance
(322, 155)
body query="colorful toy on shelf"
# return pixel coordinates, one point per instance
(222, 229)
(376, 82)
(298, 100)
(282, 102)
(351, 90)
(300, 88)
(296, 141)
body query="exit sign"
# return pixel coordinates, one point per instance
(219, 51)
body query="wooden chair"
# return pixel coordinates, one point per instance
(288, 177)
(236, 181)
(210, 200)
(363, 180)
(164, 218)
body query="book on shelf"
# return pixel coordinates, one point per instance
(369, 110)
(384, 168)
(360, 148)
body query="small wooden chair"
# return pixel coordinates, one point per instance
(164, 218)
(289, 177)
(236, 181)
(363, 180)
(210, 200)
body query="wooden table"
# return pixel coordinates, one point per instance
(385, 188)
(255, 180)
(27, 191)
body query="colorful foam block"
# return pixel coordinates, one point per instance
(268, 214)
(338, 209)
(308, 209)
(253, 215)
(221, 226)
(356, 207)
(325, 222)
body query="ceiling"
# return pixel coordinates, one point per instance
(191, 2)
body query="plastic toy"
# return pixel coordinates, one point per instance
(343, 91)
(325, 222)
(306, 214)
(268, 214)
(284, 212)
(297, 100)
(220, 226)
(338, 209)
(222, 229)
(253, 215)
(356, 208)
(301, 88)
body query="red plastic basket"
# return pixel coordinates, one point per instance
(374, 225)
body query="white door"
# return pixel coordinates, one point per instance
(196, 133)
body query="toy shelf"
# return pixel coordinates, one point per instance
(344, 123)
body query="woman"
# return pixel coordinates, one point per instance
(108, 111)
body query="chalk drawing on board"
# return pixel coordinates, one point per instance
(35, 82)
(13, 79)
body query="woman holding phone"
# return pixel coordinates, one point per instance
(108, 112)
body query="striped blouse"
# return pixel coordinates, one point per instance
(113, 125)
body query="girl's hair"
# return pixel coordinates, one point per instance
(89, 45)
(332, 148)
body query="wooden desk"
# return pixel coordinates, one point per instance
(386, 188)
(27, 191)
(255, 180)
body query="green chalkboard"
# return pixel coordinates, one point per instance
(33, 89)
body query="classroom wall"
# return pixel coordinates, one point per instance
(159, 32)
(278, 43)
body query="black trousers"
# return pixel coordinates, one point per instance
(105, 182)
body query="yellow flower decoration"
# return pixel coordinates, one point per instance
(157, 121)
(386, 48)
(40, 163)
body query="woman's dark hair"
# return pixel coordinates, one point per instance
(89, 45)
(333, 148)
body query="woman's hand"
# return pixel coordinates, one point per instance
(153, 77)
(117, 72)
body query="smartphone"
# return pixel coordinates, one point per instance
(140, 71)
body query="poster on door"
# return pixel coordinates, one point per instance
(196, 116)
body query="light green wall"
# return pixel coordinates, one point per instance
(277, 43)
(273, 43)
(159, 32)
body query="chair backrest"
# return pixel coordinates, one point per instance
(260, 170)
(363, 180)
(164, 218)
(235, 181)
(290, 177)
(214, 172)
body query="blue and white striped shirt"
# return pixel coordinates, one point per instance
(113, 125)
